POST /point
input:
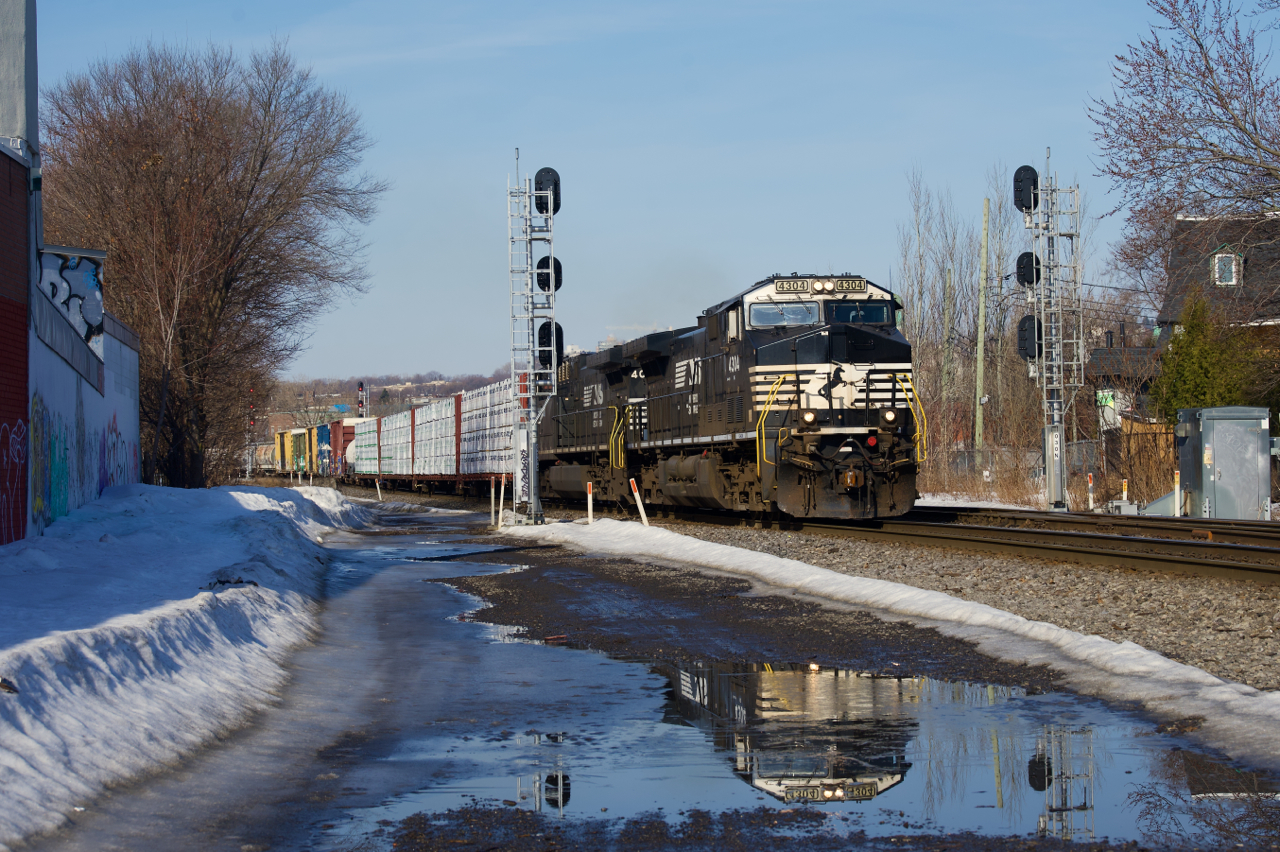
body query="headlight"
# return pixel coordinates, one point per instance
(890, 416)
(808, 417)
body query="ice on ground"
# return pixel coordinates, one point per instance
(142, 624)
(1242, 721)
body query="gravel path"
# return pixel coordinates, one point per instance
(1226, 627)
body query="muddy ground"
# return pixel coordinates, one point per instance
(660, 612)
(480, 828)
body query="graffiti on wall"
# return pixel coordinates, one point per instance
(13, 475)
(72, 463)
(74, 284)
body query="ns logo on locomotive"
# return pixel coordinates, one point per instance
(793, 396)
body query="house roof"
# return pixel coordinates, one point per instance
(1196, 241)
(1129, 362)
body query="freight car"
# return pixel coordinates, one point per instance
(794, 396)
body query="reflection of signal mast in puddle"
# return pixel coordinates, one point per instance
(1062, 769)
(545, 789)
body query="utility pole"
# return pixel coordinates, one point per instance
(948, 338)
(978, 399)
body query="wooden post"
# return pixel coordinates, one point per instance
(982, 332)
(639, 503)
(502, 496)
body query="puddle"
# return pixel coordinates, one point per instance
(881, 755)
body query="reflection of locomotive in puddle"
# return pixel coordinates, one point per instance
(802, 733)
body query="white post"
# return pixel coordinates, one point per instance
(493, 496)
(591, 518)
(502, 496)
(639, 503)
(1177, 493)
(1091, 492)
(1124, 490)
(311, 479)
(377, 483)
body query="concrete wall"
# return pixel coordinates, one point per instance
(81, 440)
(83, 381)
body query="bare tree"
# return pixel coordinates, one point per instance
(1194, 116)
(228, 197)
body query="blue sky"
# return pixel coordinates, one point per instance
(701, 145)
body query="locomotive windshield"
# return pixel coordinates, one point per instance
(859, 312)
(784, 313)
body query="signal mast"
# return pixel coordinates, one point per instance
(537, 341)
(1050, 338)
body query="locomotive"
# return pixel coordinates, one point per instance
(794, 396)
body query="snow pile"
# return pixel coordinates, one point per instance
(947, 501)
(1241, 720)
(135, 632)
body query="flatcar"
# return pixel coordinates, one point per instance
(794, 396)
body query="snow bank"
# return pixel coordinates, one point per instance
(947, 501)
(1241, 720)
(134, 633)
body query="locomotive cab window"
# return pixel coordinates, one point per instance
(860, 313)
(767, 314)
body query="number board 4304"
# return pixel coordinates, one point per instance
(836, 285)
(851, 285)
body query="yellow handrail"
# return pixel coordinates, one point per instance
(917, 414)
(622, 438)
(613, 431)
(764, 412)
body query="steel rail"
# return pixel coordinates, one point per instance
(1205, 558)
(1258, 533)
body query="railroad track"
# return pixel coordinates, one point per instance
(1234, 549)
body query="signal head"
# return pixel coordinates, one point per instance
(547, 179)
(544, 275)
(1028, 269)
(1026, 189)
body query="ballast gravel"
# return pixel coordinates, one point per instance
(1226, 627)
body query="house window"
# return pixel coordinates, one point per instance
(1226, 269)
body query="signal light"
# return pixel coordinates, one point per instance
(1028, 269)
(1026, 189)
(544, 275)
(1028, 327)
(544, 343)
(547, 179)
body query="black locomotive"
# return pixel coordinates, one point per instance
(794, 396)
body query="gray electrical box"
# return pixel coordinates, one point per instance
(1224, 458)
